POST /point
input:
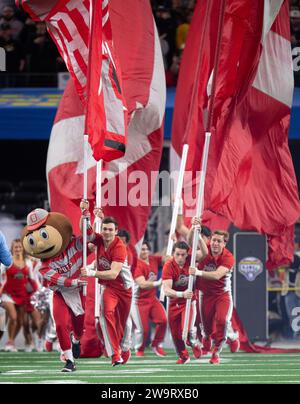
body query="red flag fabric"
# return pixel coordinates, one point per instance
(82, 34)
(106, 113)
(125, 194)
(250, 176)
(144, 90)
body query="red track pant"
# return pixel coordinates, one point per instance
(176, 315)
(144, 312)
(66, 321)
(114, 311)
(215, 313)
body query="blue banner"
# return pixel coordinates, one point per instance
(30, 113)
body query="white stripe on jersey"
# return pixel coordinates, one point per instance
(126, 275)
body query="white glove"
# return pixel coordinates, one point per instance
(91, 273)
(90, 270)
(79, 282)
(157, 283)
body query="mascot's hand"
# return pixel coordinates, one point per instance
(79, 282)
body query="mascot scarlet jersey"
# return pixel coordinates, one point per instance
(116, 252)
(62, 271)
(210, 264)
(179, 276)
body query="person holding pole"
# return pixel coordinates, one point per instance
(213, 286)
(49, 236)
(175, 283)
(116, 282)
(147, 307)
(132, 258)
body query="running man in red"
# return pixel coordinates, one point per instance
(214, 288)
(146, 306)
(48, 236)
(116, 281)
(175, 283)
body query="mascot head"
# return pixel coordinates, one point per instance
(47, 234)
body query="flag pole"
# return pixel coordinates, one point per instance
(200, 199)
(176, 207)
(199, 211)
(98, 229)
(85, 148)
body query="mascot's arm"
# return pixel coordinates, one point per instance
(55, 279)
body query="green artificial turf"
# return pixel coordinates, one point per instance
(236, 368)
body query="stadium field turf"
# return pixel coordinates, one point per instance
(236, 368)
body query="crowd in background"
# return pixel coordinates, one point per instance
(30, 49)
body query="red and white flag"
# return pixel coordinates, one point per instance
(106, 113)
(145, 94)
(82, 33)
(250, 176)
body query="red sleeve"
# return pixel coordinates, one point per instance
(157, 259)
(140, 269)
(119, 253)
(97, 240)
(54, 278)
(167, 271)
(134, 259)
(227, 261)
(129, 255)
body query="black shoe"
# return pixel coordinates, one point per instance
(117, 363)
(75, 349)
(69, 367)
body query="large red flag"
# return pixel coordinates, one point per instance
(250, 175)
(106, 113)
(82, 33)
(144, 90)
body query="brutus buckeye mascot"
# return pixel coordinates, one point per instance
(49, 237)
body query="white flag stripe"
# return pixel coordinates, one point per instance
(271, 10)
(79, 5)
(276, 58)
(66, 144)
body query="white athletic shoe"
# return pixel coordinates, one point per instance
(10, 348)
(39, 344)
(28, 348)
